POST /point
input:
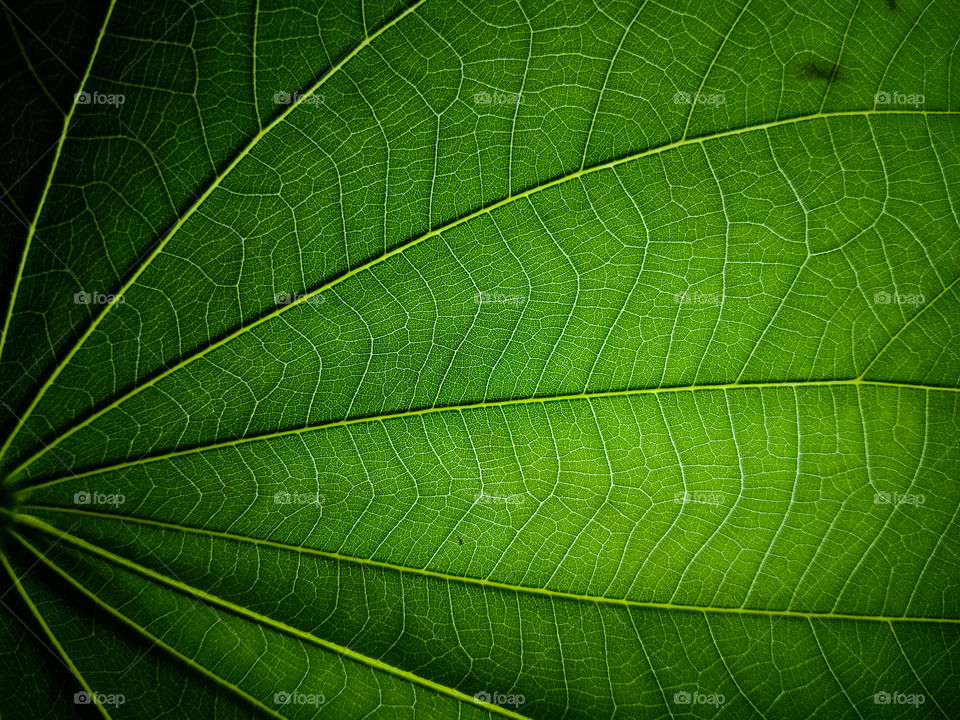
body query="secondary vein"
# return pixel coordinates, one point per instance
(466, 580)
(540, 399)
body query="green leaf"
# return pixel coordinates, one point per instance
(571, 360)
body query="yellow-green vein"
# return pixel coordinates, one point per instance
(49, 633)
(182, 587)
(308, 296)
(542, 399)
(165, 240)
(106, 607)
(32, 229)
(481, 582)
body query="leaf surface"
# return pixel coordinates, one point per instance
(563, 360)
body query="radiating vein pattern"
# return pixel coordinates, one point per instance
(574, 359)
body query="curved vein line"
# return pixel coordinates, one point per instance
(713, 61)
(466, 580)
(907, 324)
(833, 674)
(32, 229)
(836, 66)
(917, 676)
(541, 399)
(306, 297)
(107, 607)
(900, 47)
(158, 247)
(263, 620)
(49, 633)
(253, 63)
(26, 58)
(726, 666)
(606, 79)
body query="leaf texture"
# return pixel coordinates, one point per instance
(532, 360)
